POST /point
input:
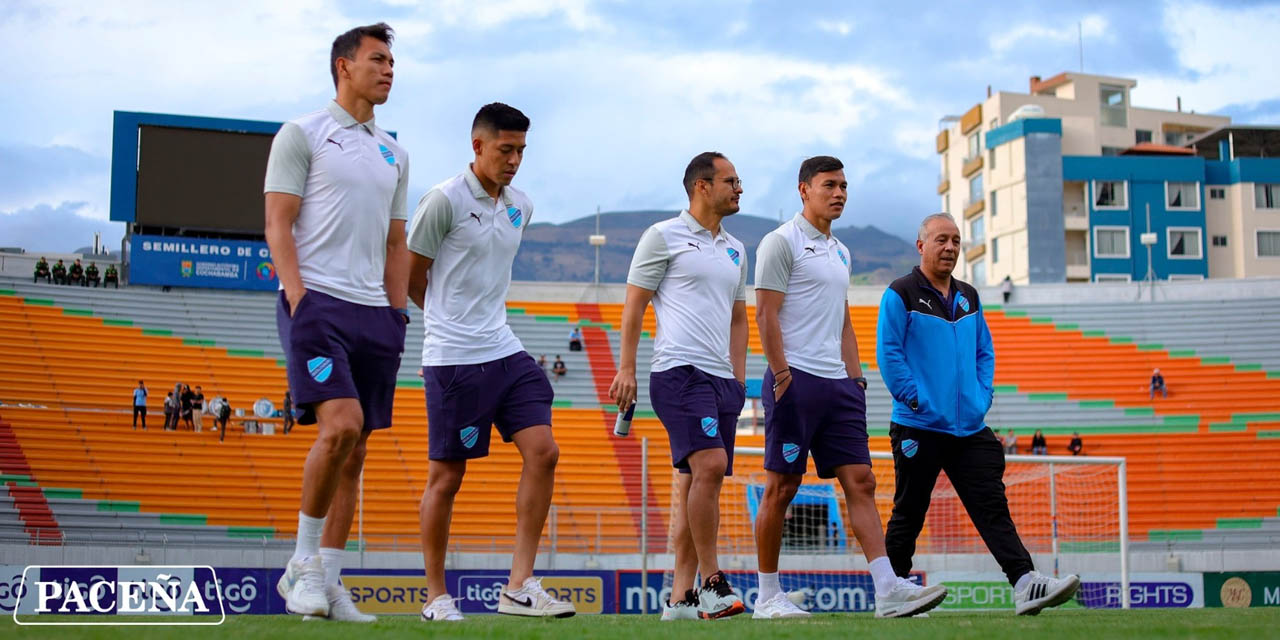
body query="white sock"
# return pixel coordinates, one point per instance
(309, 530)
(769, 586)
(883, 575)
(1022, 582)
(332, 559)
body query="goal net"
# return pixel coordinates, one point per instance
(1069, 511)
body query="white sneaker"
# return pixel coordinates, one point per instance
(442, 609)
(302, 587)
(341, 608)
(716, 598)
(1043, 592)
(531, 600)
(686, 609)
(778, 606)
(907, 598)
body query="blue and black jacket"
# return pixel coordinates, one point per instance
(935, 355)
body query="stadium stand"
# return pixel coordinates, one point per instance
(73, 467)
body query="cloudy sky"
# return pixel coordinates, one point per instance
(621, 94)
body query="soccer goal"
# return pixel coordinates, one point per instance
(1071, 512)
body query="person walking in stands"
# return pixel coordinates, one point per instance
(197, 408)
(287, 411)
(91, 275)
(42, 270)
(1039, 446)
(168, 412)
(140, 405)
(1077, 445)
(188, 400)
(336, 207)
(171, 422)
(1157, 384)
(59, 272)
(76, 275)
(1006, 288)
(111, 277)
(575, 339)
(559, 369)
(224, 414)
(938, 360)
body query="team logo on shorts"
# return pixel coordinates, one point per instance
(735, 256)
(515, 216)
(387, 155)
(469, 436)
(962, 302)
(790, 451)
(910, 447)
(843, 259)
(320, 368)
(710, 426)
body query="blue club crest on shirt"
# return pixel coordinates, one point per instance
(790, 451)
(735, 256)
(910, 448)
(711, 427)
(469, 436)
(514, 215)
(962, 302)
(387, 154)
(320, 368)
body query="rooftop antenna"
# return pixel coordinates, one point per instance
(1080, 33)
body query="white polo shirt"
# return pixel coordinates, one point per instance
(696, 278)
(813, 269)
(352, 178)
(473, 240)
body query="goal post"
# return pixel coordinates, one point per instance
(1071, 513)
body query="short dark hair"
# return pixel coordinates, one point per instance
(818, 164)
(701, 167)
(497, 116)
(345, 45)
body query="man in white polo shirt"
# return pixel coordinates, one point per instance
(463, 239)
(814, 392)
(695, 273)
(335, 216)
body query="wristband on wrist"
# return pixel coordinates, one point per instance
(405, 313)
(861, 381)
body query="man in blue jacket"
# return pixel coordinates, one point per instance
(936, 357)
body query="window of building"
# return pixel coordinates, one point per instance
(977, 231)
(991, 158)
(1111, 242)
(979, 269)
(1112, 151)
(993, 204)
(1174, 277)
(995, 250)
(974, 147)
(1217, 194)
(975, 190)
(1182, 195)
(1173, 138)
(1110, 194)
(1184, 242)
(1268, 244)
(1219, 241)
(1266, 196)
(1114, 111)
(1141, 135)
(1112, 277)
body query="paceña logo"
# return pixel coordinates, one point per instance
(164, 592)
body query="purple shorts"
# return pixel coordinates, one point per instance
(339, 349)
(699, 411)
(822, 415)
(463, 400)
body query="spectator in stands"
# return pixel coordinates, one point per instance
(1157, 384)
(1076, 446)
(1006, 288)
(224, 414)
(1010, 442)
(91, 275)
(559, 369)
(287, 409)
(169, 412)
(575, 339)
(1039, 446)
(140, 405)
(187, 398)
(197, 408)
(542, 364)
(171, 419)
(59, 273)
(112, 277)
(76, 275)
(42, 270)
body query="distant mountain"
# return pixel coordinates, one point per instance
(560, 253)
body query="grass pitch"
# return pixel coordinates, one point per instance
(1083, 624)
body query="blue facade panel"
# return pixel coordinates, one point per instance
(1020, 128)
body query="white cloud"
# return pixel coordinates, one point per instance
(1090, 27)
(487, 14)
(838, 27)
